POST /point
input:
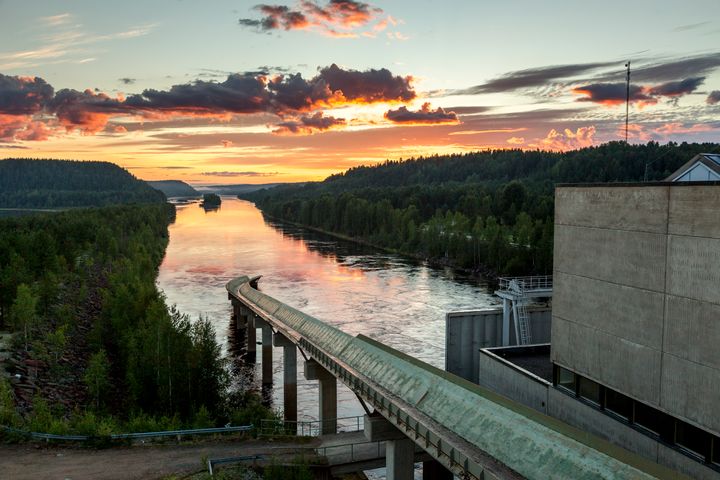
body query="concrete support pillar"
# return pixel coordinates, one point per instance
(251, 333)
(506, 323)
(267, 351)
(434, 470)
(289, 376)
(328, 395)
(399, 450)
(399, 459)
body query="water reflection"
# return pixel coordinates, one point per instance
(395, 300)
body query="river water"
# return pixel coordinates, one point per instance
(398, 301)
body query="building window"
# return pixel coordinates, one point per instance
(566, 379)
(692, 438)
(716, 450)
(589, 390)
(654, 421)
(618, 404)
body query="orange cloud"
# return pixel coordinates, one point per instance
(515, 140)
(567, 140)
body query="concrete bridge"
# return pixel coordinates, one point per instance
(469, 431)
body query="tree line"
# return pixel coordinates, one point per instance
(488, 211)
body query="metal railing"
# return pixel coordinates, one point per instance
(118, 436)
(355, 452)
(310, 428)
(538, 282)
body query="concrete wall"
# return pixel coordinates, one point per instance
(636, 301)
(469, 331)
(513, 382)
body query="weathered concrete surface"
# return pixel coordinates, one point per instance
(466, 332)
(399, 459)
(635, 259)
(694, 267)
(507, 380)
(631, 368)
(694, 211)
(378, 429)
(289, 376)
(637, 297)
(619, 208)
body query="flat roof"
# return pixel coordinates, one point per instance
(638, 184)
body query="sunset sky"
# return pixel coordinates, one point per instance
(241, 92)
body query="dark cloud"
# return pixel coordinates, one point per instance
(240, 174)
(468, 110)
(692, 26)
(615, 93)
(369, 86)
(678, 88)
(696, 66)
(23, 95)
(237, 94)
(424, 115)
(612, 93)
(127, 80)
(309, 124)
(532, 78)
(343, 14)
(89, 111)
(713, 98)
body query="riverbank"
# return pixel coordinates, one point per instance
(483, 273)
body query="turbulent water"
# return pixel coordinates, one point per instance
(397, 301)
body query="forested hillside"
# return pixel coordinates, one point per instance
(26, 183)
(93, 334)
(488, 211)
(174, 188)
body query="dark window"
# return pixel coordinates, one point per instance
(654, 421)
(716, 450)
(566, 379)
(589, 390)
(692, 438)
(618, 403)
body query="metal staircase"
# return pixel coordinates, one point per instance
(519, 306)
(519, 291)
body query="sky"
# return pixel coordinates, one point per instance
(242, 92)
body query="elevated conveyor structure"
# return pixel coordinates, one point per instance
(473, 432)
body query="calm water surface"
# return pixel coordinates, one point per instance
(397, 301)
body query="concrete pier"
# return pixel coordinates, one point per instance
(399, 449)
(251, 337)
(267, 351)
(328, 395)
(289, 376)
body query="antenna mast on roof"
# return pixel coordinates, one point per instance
(627, 101)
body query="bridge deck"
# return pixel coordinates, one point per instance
(469, 429)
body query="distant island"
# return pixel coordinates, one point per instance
(211, 201)
(29, 183)
(174, 188)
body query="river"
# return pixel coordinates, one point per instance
(398, 301)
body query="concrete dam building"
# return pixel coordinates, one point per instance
(635, 325)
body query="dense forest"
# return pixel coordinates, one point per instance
(94, 347)
(27, 183)
(488, 211)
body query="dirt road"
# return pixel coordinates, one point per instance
(20, 462)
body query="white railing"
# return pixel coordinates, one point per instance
(525, 284)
